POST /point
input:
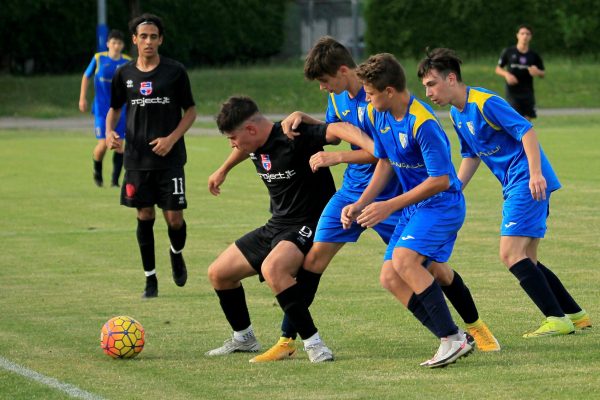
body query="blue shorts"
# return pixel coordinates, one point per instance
(430, 227)
(100, 126)
(330, 229)
(524, 216)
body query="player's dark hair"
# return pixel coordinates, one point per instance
(325, 58)
(234, 111)
(526, 26)
(116, 34)
(382, 70)
(146, 18)
(441, 59)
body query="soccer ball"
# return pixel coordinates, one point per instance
(122, 337)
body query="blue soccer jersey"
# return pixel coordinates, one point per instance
(103, 68)
(342, 108)
(489, 128)
(416, 146)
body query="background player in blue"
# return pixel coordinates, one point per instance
(490, 130)
(410, 143)
(331, 64)
(103, 66)
(518, 65)
(160, 110)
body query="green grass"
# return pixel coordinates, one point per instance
(282, 89)
(69, 261)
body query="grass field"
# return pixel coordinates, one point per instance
(69, 261)
(282, 88)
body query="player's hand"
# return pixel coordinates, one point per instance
(538, 186)
(162, 145)
(373, 214)
(291, 123)
(82, 105)
(533, 70)
(215, 180)
(511, 79)
(349, 214)
(323, 159)
(113, 141)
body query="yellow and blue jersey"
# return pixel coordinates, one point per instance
(489, 128)
(103, 68)
(416, 146)
(343, 108)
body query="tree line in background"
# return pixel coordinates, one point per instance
(482, 27)
(58, 36)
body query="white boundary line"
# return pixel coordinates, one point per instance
(71, 390)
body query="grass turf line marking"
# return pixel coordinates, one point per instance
(71, 390)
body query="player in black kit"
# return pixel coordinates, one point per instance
(157, 92)
(518, 65)
(276, 250)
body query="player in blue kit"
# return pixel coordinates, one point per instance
(103, 67)
(490, 130)
(410, 143)
(331, 64)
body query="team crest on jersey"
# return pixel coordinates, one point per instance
(471, 127)
(403, 140)
(146, 88)
(361, 111)
(266, 161)
(523, 60)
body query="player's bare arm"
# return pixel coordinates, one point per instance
(163, 145)
(508, 77)
(376, 212)
(537, 182)
(468, 167)
(535, 71)
(351, 134)
(292, 121)
(216, 179)
(83, 94)
(381, 176)
(113, 141)
(330, 158)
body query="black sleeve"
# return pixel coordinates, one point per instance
(538, 62)
(503, 60)
(184, 90)
(312, 136)
(118, 94)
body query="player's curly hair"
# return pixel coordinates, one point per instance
(234, 111)
(146, 18)
(381, 71)
(441, 59)
(325, 58)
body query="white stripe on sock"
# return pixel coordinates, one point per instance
(150, 273)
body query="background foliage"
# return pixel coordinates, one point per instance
(481, 27)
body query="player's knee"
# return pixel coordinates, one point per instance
(442, 273)
(385, 278)
(314, 263)
(146, 213)
(509, 258)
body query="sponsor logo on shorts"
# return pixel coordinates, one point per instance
(146, 88)
(130, 190)
(408, 237)
(305, 231)
(510, 224)
(181, 200)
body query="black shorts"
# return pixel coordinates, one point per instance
(524, 104)
(257, 245)
(163, 187)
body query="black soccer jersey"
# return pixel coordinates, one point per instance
(298, 195)
(155, 101)
(517, 65)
